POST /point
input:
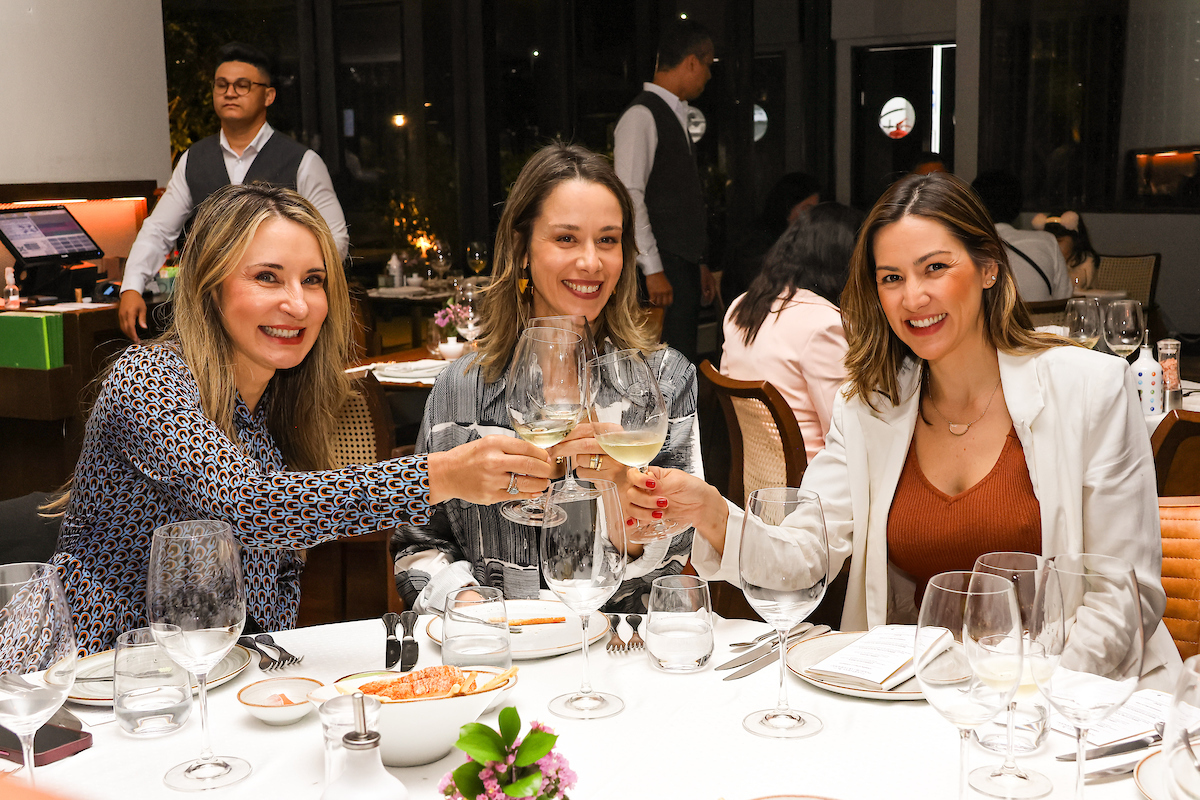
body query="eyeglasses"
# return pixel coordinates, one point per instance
(240, 87)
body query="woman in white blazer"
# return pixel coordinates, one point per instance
(943, 365)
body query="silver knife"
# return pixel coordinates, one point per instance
(763, 649)
(408, 645)
(1112, 773)
(770, 657)
(1114, 749)
(392, 648)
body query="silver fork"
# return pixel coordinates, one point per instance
(615, 645)
(286, 659)
(266, 662)
(635, 640)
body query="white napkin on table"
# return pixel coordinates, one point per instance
(413, 370)
(1061, 330)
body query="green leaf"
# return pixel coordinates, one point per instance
(536, 745)
(481, 742)
(466, 778)
(528, 786)
(510, 725)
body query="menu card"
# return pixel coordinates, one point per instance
(1136, 718)
(882, 658)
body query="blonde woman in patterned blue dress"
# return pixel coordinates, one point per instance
(230, 415)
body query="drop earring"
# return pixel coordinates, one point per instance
(524, 283)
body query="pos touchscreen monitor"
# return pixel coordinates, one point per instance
(46, 241)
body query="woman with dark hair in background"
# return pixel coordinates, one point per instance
(791, 194)
(1076, 245)
(787, 328)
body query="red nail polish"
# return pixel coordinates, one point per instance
(629, 521)
(650, 484)
(656, 514)
(662, 502)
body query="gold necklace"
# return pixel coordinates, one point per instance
(959, 428)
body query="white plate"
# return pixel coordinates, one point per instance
(540, 641)
(803, 655)
(100, 665)
(1150, 777)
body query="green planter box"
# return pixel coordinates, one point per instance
(31, 340)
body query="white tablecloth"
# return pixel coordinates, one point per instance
(680, 736)
(1190, 403)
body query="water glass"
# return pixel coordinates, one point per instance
(475, 629)
(337, 719)
(152, 694)
(679, 634)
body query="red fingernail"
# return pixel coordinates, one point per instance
(650, 484)
(629, 521)
(662, 502)
(656, 514)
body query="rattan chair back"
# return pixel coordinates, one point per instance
(1137, 276)
(1048, 312)
(365, 432)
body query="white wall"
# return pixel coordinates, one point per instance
(83, 88)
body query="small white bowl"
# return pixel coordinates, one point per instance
(413, 280)
(255, 696)
(451, 350)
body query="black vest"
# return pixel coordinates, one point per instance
(674, 196)
(277, 164)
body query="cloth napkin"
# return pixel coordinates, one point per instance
(1061, 330)
(411, 370)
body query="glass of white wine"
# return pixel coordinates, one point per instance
(196, 603)
(1083, 321)
(1124, 326)
(545, 398)
(477, 256)
(629, 417)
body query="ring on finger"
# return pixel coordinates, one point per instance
(597, 461)
(512, 484)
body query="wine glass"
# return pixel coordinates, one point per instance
(1008, 780)
(477, 256)
(37, 650)
(545, 398)
(583, 560)
(1124, 326)
(1180, 745)
(783, 568)
(629, 417)
(196, 603)
(468, 297)
(1083, 321)
(1086, 647)
(967, 651)
(440, 260)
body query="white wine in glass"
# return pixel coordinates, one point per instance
(477, 256)
(1124, 326)
(1083, 321)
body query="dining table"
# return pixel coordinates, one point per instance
(679, 735)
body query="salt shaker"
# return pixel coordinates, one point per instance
(364, 776)
(1149, 375)
(1168, 357)
(395, 270)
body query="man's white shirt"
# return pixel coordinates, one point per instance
(1043, 248)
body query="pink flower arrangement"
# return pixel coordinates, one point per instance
(451, 317)
(501, 766)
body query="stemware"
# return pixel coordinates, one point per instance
(196, 603)
(440, 260)
(972, 669)
(477, 256)
(468, 296)
(583, 561)
(783, 568)
(1086, 646)
(1180, 744)
(1083, 321)
(629, 417)
(1008, 780)
(37, 650)
(1124, 326)
(545, 398)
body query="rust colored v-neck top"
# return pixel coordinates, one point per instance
(930, 532)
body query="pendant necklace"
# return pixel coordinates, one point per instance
(960, 428)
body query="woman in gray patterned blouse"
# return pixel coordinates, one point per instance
(565, 247)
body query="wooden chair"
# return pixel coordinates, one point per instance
(1048, 312)
(1176, 446)
(1180, 520)
(1137, 276)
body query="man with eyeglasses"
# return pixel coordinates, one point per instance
(246, 149)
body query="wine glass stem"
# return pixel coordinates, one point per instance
(1080, 739)
(569, 478)
(659, 527)
(206, 753)
(964, 750)
(27, 754)
(1010, 762)
(586, 686)
(781, 704)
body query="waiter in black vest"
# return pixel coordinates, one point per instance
(656, 159)
(246, 149)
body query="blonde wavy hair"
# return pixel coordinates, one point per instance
(876, 354)
(505, 309)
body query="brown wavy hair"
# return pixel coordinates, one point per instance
(505, 309)
(876, 354)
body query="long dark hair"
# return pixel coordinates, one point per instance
(813, 254)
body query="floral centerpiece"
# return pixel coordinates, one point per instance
(499, 765)
(450, 318)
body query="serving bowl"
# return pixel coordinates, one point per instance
(257, 699)
(414, 732)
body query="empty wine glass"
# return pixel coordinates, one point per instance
(37, 650)
(1124, 326)
(545, 398)
(1083, 321)
(583, 561)
(1086, 650)
(578, 324)
(783, 567)
(196, 603)
(468, 297)
(1180, 745)
(440, 260)
(967, 651)
(629, 417)
(1008, 780)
